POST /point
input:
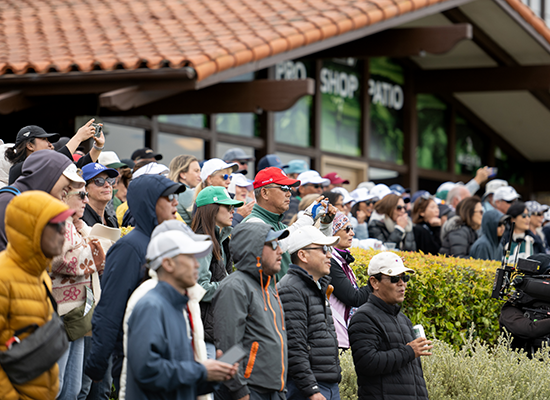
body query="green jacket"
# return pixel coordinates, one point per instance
(260, 214)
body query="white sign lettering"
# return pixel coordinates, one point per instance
(289, 70)
(386, 94)
(338, 83)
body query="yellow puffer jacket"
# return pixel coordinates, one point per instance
(22, 294)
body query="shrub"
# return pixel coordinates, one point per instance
(446, 295)
(476, 371)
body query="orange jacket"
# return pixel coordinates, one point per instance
(22, 294)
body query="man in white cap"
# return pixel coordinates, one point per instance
(504, 197)
(240, 187)
(385, 352)
(490, 189)
(313, 366)
(161, 362)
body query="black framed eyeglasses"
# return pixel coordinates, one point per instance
(284, 188)
(325, 248)
(101, 181)
(274, 244)
(348, 229)
(395, 279)
(229, 208)
(82, 195)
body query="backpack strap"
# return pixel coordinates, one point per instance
(10, 189)
(54, 303)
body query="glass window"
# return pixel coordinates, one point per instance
(123, 139)
(470, 147)
(293, 126)
(341, 106)
(287, 157)
(509, 169)
(191, 120)
(386, 110)
(170, 146)
(431, 152)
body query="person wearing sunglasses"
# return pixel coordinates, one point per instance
(71, 272)
(313, 364)
(504, 197)
(488, 246)
(522, 244)
(247, 311)
(272, 190)
(347, 294)
(214, 217)
(216, 172)
(99, 185)
(385, 353)
(361, 211)
(427, 224)
(35, 223)
(390, 223)
(460, 232)
(237, 156)
(536, 210)
(310, 183)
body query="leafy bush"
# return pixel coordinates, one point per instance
(476, 371)
(446, 295)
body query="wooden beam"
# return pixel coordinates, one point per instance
(132, 97)
(228, 97)
(404, 42)
(13, 101)
(483, 79)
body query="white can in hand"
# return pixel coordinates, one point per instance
(418, 331)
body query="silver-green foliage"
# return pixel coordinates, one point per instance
(476, 371)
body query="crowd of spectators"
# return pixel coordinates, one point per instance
(260, 261)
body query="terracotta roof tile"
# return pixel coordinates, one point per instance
(40, 35)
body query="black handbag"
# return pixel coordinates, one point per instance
(29, 358)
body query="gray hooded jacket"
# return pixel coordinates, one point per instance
(40, 171)
(247, 311)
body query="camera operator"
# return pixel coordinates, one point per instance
(519, 318)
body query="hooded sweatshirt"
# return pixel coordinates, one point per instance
(23, 299)
(123, 272)
(41, 171)
(488, 246)
(247, 311)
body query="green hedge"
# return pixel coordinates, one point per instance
(446, 295)
(476, 371)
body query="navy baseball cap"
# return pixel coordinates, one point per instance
(270, 160)
(90, 171)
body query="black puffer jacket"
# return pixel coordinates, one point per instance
(312, 343)
(383, 228)
(386, 367)
(457, 238)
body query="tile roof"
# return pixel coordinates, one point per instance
(528, 15)
(43, 36)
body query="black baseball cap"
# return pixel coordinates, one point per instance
(146, 152)
(174, 189)
(33, 131)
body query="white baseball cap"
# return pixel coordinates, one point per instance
(110, 160)
(71, 172)
(507, 193)
(169, 244)
(307, 235)
(312, 177)
(241, 181)
(380, 191)
(216, 164)
(362, 194)
(151, 169)
(347, 197)
(492, 186)
(387, 263)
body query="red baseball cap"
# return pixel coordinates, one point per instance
(335, 179)
(273, 175)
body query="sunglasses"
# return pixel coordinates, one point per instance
(537, 214)
(59, 227)
(242, 162)
(229, 208)
(171, 197)
(510, 201)
(348, 229)
(399, 208)
(325, 248)
(274, 244)
(525, 215)
(82, 195)
(371, 202)
(101, 181)
(395, 279)
(284, 188)
(315, 185)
